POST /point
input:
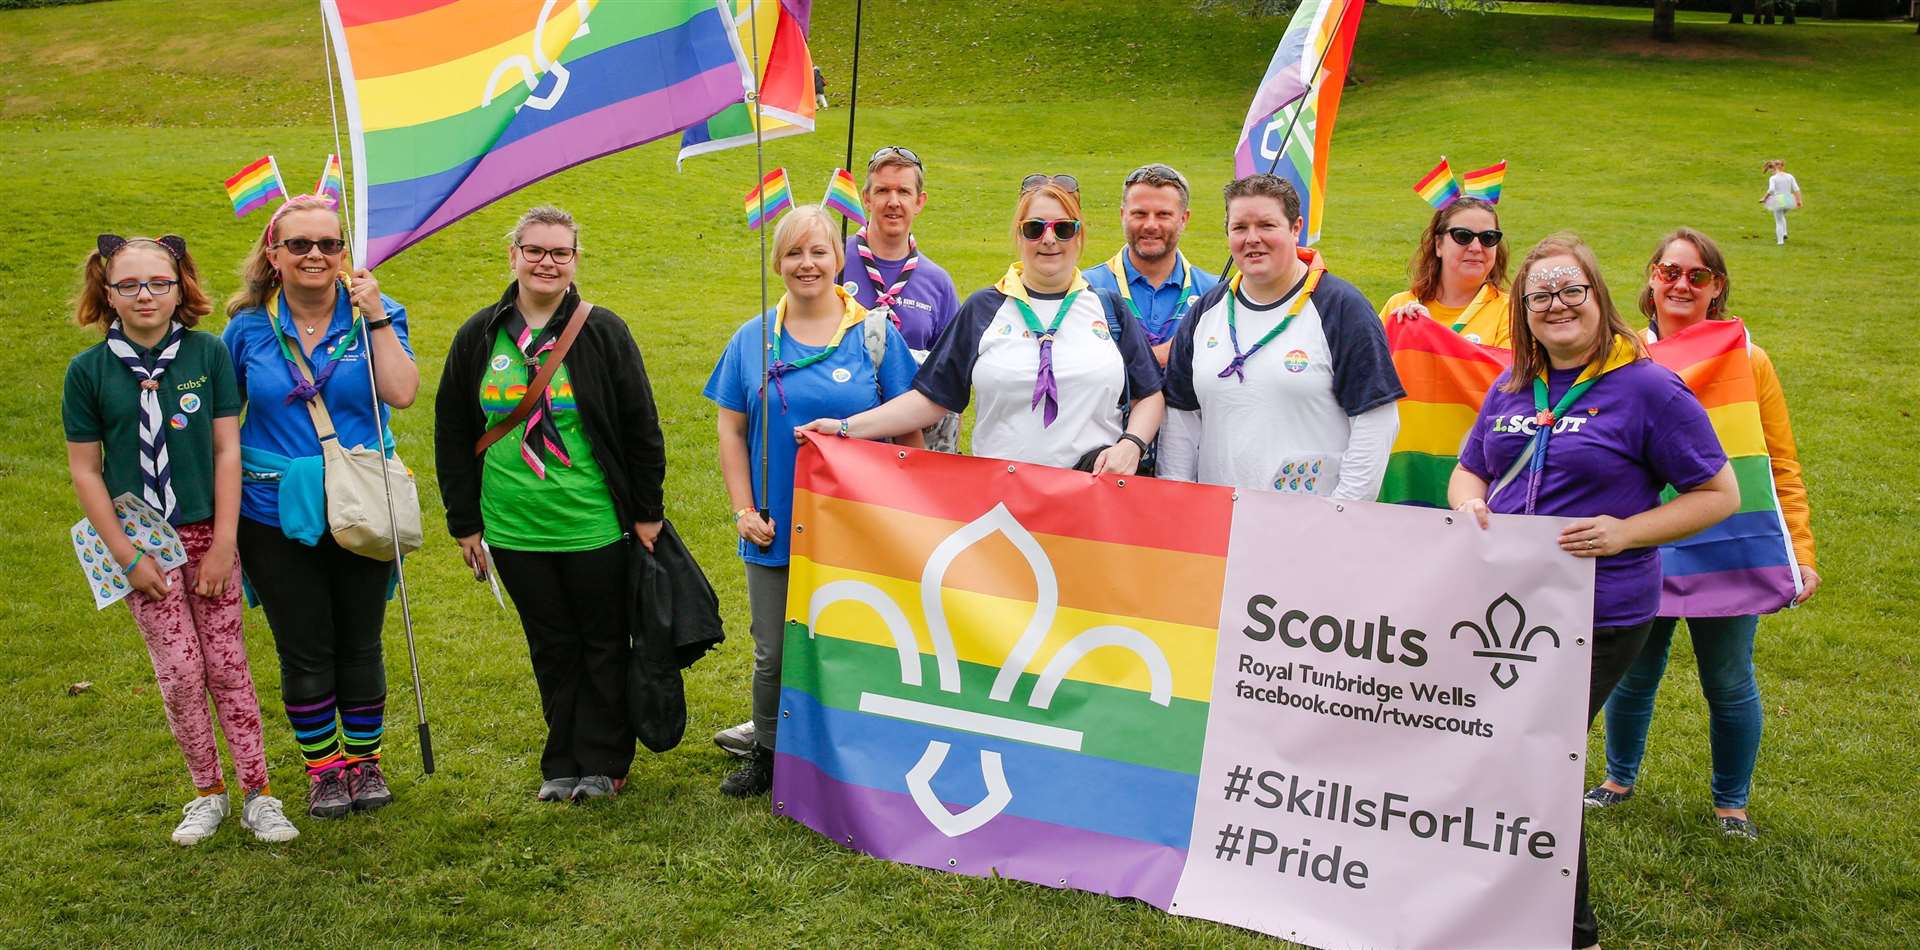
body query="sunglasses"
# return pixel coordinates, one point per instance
(1067, 183)
(1572, 295)
(1063, 230)
(1672, 273)
(899, 150)
(305, 246)
(1464, 236)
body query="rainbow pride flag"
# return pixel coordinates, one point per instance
(977, 681)
(1745, 564)
(1446, 378)
(768, 199)
(1301, 91)
(1440, 188)
(1484, 183)
(844, 196)
(253, 186)
(785, 80)
(333, 182)
(455, 103)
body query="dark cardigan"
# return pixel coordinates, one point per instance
(610, 384)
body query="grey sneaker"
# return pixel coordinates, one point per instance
(557, 789)
(737, 740)
(203, 817)
(267, 819)
(328, 796)
(596, 786)
(368, 786)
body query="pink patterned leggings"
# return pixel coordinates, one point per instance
(198, 648)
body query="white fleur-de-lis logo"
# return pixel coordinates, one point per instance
(947, 667)
(531, 67)
(1509, 649)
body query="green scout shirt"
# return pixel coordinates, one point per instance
(102, 404)
(572, 509)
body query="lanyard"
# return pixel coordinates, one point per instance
(1046, 388)
(1119, 269)
(1473, 308)
(1237, 367)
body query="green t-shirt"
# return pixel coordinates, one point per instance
(102, 404)
(571, 509)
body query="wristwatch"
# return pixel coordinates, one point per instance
(380, 324)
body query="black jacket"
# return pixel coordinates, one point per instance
(675, 620)
(616, 412)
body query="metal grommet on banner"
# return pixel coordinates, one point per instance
(784, 713)
(1580, 641)
(1009, 468)
(779, 806)
(1120, 483)
(953, 862)
(1565, 872)
(1063, 882)
(849, 841)
(1573, 756)
(797, 529)
(1236, 496)
(1339, 507)
(903, 453)
(1449, 519)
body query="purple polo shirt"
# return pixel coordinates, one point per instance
(926, 304)
(1638, 430)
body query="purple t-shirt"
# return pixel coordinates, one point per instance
(926, 304)
(1638, 430)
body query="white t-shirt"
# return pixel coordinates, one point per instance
(989, 349)
(1287, 426)
(1780, 191)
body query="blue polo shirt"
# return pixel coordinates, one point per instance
(274, 424)
(1159, 308)
(834, 388)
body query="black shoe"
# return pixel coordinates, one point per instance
(1734, 827)
(753, 777)
(1601, 797)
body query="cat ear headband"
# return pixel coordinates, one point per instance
(1441, 187)
(110, 244)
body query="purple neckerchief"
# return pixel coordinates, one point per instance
(302, 389)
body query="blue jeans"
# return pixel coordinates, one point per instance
(1724, 648)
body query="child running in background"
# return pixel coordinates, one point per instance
(1783, 195)
(153, 410)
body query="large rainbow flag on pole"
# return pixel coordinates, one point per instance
(1446, 378)
(452, 104)
(1745, 564)
(977, 681)
(785, 81)
(1301, 92)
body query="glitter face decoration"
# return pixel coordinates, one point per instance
(1559, 275)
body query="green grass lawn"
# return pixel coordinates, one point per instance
(125, 117)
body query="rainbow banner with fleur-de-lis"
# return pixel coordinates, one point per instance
(1341, 723)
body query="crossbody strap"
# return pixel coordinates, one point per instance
(538, 387)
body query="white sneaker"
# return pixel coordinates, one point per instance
(203, 817)
(267, 819)
(738, 740)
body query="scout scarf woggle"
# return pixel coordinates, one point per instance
(540, 436)
(851, 315)
(1119, 269)
(1316, 269)
(885, 297)
(156, 479)
(1046, 389)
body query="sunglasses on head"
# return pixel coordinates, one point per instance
(900, 150)
(1063, 230)
(1067, 183)
(1672, 273)
(1464, 236)
(304, 246)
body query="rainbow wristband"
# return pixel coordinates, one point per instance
(137, 555)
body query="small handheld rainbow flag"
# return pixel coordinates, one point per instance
(1440, 188)
(333, 182)
(253, 186)
(1484, 183)
(843, 196)
(776, 195)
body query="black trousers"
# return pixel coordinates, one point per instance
(574, 607)
(1614, 649)
(326, 606)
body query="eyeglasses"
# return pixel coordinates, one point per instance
(534, 253)
(304, 246)
(1067, 183)
(1572, 295)
(1671, 273)
(1464, 236)
(159, 287)
(1063, 230)
(899, 150)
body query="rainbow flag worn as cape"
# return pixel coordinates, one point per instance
(1301, 90)
(1745, 564)
(1446, 378)
(1484, 183)
(843, 196)
(765, 202)
(452, 104)
(785, 80)
(976, 681)
(333, 182)
(253, 186)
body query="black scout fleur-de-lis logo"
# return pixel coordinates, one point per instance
(1505, 639)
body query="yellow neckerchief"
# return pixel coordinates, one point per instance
(1014, 285)
(852, 315)
(1119, 269)
(1316, 269)
(1622, 354)
(1486, 293)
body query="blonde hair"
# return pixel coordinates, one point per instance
(794, 229)
(544, 214)
(258, 278)
(1529, 357)
(1774, 165)
(1070, 200)
(91, 306)
(1424, 269)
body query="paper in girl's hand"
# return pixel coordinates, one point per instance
(145, 528)
(493, 575)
